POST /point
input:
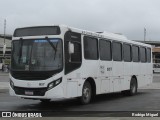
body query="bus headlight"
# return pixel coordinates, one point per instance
(11, 84)
(54, 83)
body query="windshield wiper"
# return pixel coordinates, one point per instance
(20, 49)
(55, 51)
(51, 44)
(55, 48)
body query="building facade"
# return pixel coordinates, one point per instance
(7, 41)
(155, 50)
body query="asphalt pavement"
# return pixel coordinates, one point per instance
(4, 80)
(147, 99)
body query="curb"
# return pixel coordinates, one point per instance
(4, 85)
(153, 86)
(4, 74)
(4, 90)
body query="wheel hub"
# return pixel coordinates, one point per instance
(86, 93)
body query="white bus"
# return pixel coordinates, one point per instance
(60, 62)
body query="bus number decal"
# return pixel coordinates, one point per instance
(109, 69)
(102, 69)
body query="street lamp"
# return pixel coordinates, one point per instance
(4, 46)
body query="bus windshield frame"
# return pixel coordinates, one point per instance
(37, 31)
(37, 55)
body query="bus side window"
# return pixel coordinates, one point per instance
(72, 61)
(143, 54)
(148, 55)
(127, 52)
(76, 56)
(105, 50)
(90, 48)
(135, 53)
(117, 51)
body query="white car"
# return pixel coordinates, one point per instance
(156, 67)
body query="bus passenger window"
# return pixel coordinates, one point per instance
(127, 52)
(72, 61)
(135, 53)
(76, 56)
(148, 55)
(117, 51)
(105, 50)
(90, 48)
(143, 54)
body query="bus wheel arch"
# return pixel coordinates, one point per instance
(90, 86)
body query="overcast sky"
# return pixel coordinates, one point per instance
(128, 17)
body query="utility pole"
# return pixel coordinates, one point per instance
(144, 34)
(4, 31)
(4, 46)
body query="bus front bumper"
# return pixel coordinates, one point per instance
(37, 93)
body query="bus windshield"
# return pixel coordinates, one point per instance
(36, 55)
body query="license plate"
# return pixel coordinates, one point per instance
(28, 92)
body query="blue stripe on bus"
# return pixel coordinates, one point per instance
(43, 41)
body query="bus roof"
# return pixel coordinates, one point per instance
(103, 35)
(106, 35)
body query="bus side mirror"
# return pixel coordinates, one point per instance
(71, 48)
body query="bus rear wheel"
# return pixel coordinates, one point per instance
(86, 93)
(133, 88)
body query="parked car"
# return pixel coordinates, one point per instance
(156, 67)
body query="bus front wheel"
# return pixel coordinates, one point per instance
(86, 93)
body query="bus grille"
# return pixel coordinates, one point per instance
(36, 91)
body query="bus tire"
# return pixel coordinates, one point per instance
(45, 100)
(133, 87)
(86, 93)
